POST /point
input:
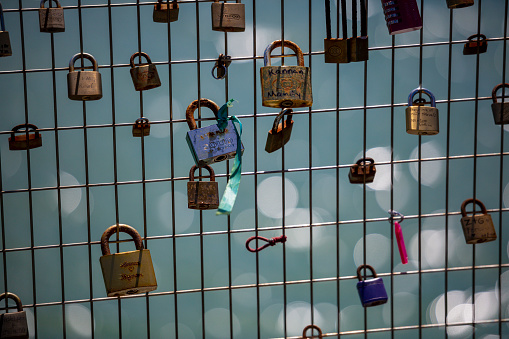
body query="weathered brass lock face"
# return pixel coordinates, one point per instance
(459, 3)
(166, 12)
(14, 324)
(336, 50)
(202, 195)
(363, 171)
(500, 109)
(5, 42)
(280, 133)
(421, 120)
(477, 46)
(28, 138)
(127, 272)
(477, 228)
(228, 17)
(144, 76)
(84, 85)
(51, 20)
(141, 127)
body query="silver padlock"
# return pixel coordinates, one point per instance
(5, 42)
(144, 75)
(51, 20)
(84, 85)
(13, 324)
(228, 17)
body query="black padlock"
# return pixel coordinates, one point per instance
(477, 46)
(500, 109)
(13, 325)
(280, 132)
(141, 127)
(28, 138)
(166, 12)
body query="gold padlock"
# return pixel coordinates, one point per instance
(144, 76)
(166, 12)
(28, 139)
(127, 272)
(477, 228)
(51, 20)
(280, 133)
(420, 119)
(141, 127)
(84, 85)
(202, 195)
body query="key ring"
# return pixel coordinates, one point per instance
(270, 242)
(221, 65)
(394, 213)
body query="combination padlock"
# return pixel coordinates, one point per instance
(5, 42)
(126, 272)
(166, 11)
(28, 137)
(500, 109)
(141, 127)
(336, 50)
(228, 17)
(363, 171)
(401, 16)
(202, 195)
(208, 144)
(420, 119)
(285, 86)
(51, 20)
(13, 325)
(477, 46)
(459, 3)
(358, 45)
(84, 85)
(144, 75)
(280, 133)
(371, 291)
(477, 228)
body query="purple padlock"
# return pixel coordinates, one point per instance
(401, 16)
(371, 291)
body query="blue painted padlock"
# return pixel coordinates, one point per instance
(371, 291)
(208, 144)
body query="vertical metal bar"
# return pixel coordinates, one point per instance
(391, 224)
(338, 257)
(310, 129)
(364, 137)
(283, 217)
(421, 35)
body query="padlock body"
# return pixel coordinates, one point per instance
(20, 142)
(128, 273)
(422, 120)
(336, 51)
(358, 47)
(459, 3)
(14, 325)
(145, 77)
(5, 44)
(500, 113)
(209, 145)
(478, 229)
(51, 20)
(228, 17)
(202, 195)
(161, 12)
(362, 173)
(276, 140)
(372, 292)
(84, 85)
(142, 129)
(401, 16)
(286, 86)
(475, 47)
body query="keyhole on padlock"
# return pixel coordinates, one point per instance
(132, 292)
(220, 158)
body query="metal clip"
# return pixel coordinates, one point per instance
(221, 65)
(394, 213)
(270, 242)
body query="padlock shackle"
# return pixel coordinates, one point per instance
(287, 43)
(365, 161)
(480, 37)
(364, 18)
(495, 90)
(311, 327)
(141, 120)
(207, 167)
(105, 244)
(27, 127)
(56, 1)
(328, 20)
(161, 1)
(470, 201)
(191, 122)
(369, 267)
(14, 297)
(421, 90)
(2, 22)
(141, 54)
(85, 56)
(288, 111)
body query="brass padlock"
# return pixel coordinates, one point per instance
(28, 138)
(459, 3)
(477, 228)
(420, 119)
(228, 17)
(141, 127)
(336, 50)
(166, 12)
(144, 75)
(280, 132)
(202, 195)
(358, 45)
(14, 324)
(285, 86)
(84, 85)
(477, 46)
(51, 20)
(500, 109)
(127, 272)
(5, 42)
(363, 171)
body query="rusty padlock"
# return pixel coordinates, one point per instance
(358, 45)
(14, 324)
(500, 109)
(145, 75)
(5, 42)
(336, 50)
(126, 272)
(477, 228)
(285, 86)
(363, 171)
(141, 127)
(280, 133)
(51, 20)
(84, 85)
(420, 119)
(166, 11)
(28, 138)
(312, 327)
(459, 3)
(228, 17)
(477, 46)
(202, 195)
(401, 16)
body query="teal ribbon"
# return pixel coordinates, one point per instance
(232, 188)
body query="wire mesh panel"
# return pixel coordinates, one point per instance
(90, 173)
